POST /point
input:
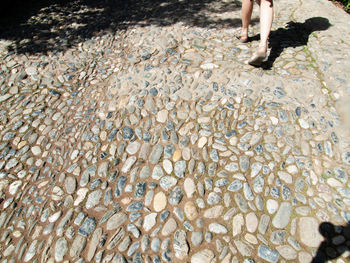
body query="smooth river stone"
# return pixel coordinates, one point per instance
(285, 177)
(162, 116)
(61, 249)
(70, 184)
(128, 164)
(55, 216)
(303, 124)
(237, 223)
(14, 187)
(304, 257)
(251, 239)
(31, 251)
(186, 154)
(272, 206)
(196, 238)
(8, 251)
(36, 150)
(256, 167)
(264, 223)
(244, 163)
(93, 243)
(243, 248)
(88, 226)
(133, 147)
(156, 154)
(287, 252)
(190, 187)
(159, 202)
(176, 155)
(203, 256)
(176, 196)
(116, 220)
(282, 216)
(180, 168)
(157, 172)
(202, 141)
(217, 228)
(214, 212)
(77, 246)
(190, 210)
(93, 199)
(169, 227)
(251, 222)
(167, 182)
(241, 203)
(149, 221)
(268, 254)
(180, 245)
(168, 166)
(308, 232)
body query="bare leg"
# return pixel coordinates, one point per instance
(266, 17)
(247, 9)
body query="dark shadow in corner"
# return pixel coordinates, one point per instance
(294, 35)
(335, 243)
(42, 26)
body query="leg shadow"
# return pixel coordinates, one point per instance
(335, 244)
(296, 34)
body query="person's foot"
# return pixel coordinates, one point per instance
(258, 57)
(262, 48)
(243, 36)
(242, 39)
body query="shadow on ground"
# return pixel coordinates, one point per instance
(296, 34)
(336, 242)
(55, 25)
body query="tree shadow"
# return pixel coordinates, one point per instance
(336, 242)
(296, 34)
(55, 25)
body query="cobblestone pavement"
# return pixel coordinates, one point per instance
(160, 144)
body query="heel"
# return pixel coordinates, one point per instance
(242, 38)
(257, 59)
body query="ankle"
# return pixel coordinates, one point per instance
(263, 44)
(244, 31)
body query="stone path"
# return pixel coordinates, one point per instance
(159, 144)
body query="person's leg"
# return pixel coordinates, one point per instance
(247, 9)
(266, 17)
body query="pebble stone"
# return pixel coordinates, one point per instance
(190, 210)
(159, 201)
(205, 256)
(217, 228)
(282, 217)
(268, 254)
(116, 220)
(180, 244)
(70, 185)
(169, 227)
(149, 221)
(308, 231)
(189, 187)
(197, 238)
(61, 249)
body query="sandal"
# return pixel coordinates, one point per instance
(257, 59)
